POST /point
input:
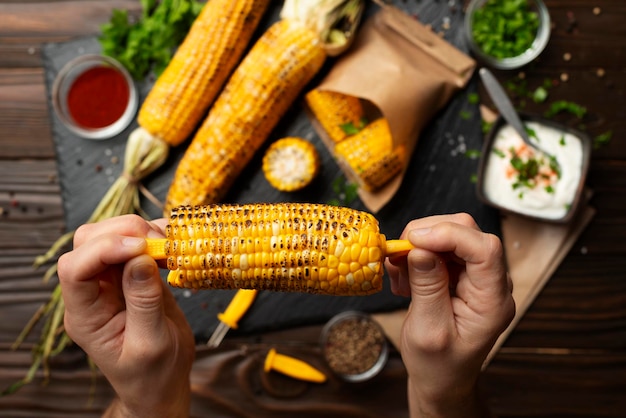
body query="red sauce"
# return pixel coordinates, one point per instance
(98, 97)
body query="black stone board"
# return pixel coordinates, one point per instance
(438, 181)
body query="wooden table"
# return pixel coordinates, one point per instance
(566, 357)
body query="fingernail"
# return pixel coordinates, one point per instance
(421, 231)
(132, 241)
(422, 264)
(142, 272)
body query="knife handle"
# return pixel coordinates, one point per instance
(237, 307)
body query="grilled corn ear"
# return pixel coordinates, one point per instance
(199, 68)
(299, 247)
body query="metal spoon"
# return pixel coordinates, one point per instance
(508, 112)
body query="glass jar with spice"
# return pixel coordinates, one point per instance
(94, 96)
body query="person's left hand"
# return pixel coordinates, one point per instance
(118, 309)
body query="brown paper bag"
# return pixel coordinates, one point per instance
(406, 71)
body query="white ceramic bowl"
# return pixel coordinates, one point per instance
(509, 63)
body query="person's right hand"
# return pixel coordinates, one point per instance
(118, 309)
(461, 302)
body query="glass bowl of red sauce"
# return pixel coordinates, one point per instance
(94, 96)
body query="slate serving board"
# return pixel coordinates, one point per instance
(437, 181)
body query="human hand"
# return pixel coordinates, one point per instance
(460, 303)
(124, 317)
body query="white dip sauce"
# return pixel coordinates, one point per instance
(520, 179)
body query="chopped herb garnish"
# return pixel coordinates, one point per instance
(499, 153)
(562, 141)
(549, 189)
(472, 153)
(504, 28)
(474, 178)
(531, 132)
(352, 129)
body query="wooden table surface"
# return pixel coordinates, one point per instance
(566, 357)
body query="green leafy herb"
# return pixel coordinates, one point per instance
(474, 178)
(148, 43)
(473, 98)
(485, 126)
(565, 106)
(472, 154)
(549, 189)
(562, 141)
(499, 153)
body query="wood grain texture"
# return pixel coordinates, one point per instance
(566, 357)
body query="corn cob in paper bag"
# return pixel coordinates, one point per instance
(402, 73)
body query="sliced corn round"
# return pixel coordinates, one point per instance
(290, 164)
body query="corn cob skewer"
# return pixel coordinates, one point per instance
(302, 247)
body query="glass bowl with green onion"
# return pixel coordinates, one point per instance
(507, 34)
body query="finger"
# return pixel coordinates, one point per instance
(430, 221)
(482, 253)
(431, 308)
(145, 303)
(79, 269)
(130, 225)
(398, 276)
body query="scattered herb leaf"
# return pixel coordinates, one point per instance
(472, 154)
(346, 192)
(602, 139)
(465, 114)
(566, 106)
(473, 98)
(540, 95)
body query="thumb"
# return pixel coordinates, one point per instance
(428, 280)
(143, 293)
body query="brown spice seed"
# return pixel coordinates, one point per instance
(564, 77)
(600, 72)
(597, 11)
(567, 56)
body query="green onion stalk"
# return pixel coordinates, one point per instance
(143, 155)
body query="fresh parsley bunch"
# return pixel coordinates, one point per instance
(149, 43)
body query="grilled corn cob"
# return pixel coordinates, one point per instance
(370, 156)
(290, 164)
(302, 247)
(337, 113)
(195, 75)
